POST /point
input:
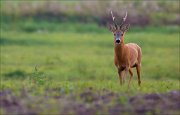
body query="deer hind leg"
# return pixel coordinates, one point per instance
(138, 68)
(131, 76)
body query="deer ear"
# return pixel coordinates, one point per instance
(125, 27)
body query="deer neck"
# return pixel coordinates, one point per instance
(119, 50)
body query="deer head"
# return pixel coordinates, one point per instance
(118, 30)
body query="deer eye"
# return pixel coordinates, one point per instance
(121, 34)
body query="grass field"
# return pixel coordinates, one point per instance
(52, 64)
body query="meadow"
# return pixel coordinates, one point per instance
(46, 71)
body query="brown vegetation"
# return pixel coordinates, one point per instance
(90, 102)
(139, 13)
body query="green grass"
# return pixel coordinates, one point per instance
(148, 86)
(85, 59)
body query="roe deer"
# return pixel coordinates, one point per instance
(126, 56)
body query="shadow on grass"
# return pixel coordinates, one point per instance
(24, 42)
(17, 74)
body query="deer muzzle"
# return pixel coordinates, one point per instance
(118, 40)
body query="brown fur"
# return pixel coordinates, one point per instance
(126, 57)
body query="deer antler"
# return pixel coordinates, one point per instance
(113, 17)
(124, 19)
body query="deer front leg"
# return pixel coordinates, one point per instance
(120, 76)
(131, 76)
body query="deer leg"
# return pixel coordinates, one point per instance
(120, 76)
(131, 76)
(138, 68)
(125, 74)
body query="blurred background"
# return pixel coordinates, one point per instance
(40, 15)
(69, 40)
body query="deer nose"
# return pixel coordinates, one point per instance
(117, 41)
